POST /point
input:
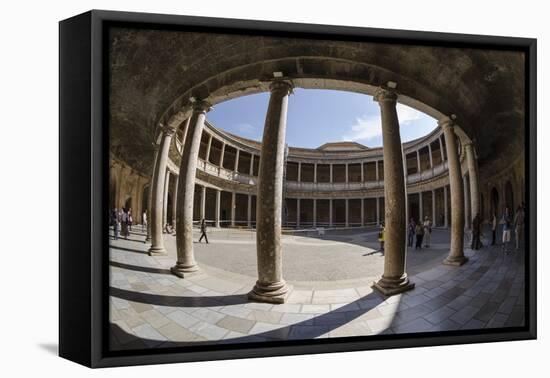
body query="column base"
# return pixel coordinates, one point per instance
(183, 270)
(392, 286)
(157, 251)
(455, 261)
(276, 292)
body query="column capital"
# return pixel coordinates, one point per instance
(281, 85)
(201, 106)
(468, 144)
(385, 94)
(168, 129)
(447, 122)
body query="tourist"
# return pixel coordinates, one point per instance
(476, 232)
(494, 228)
(411, 231)
(130, 219)
(114, 222)
(144, 220)
(124, 223)
(168, 228)
(381, 236)
(419, 235)
(203, 231)
(427, 231)
(506, 232)
(519, 223)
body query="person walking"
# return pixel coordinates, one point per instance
(203, 231)
(427, 231)
(519, 223)
(130, 219)
(476, 232)
(381, 236)
(506, 229)
(411, 231)
(494, 228)
(419, 235)
(124, 222)
(114, 222)
(144, 221)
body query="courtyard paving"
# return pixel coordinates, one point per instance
(331, 295)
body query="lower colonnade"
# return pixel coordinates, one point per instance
(234, 182)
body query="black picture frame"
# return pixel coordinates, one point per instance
(83, 151)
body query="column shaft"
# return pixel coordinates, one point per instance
(150, 194)
(233, 207)
(271, 286)
(249, 211)
(314, 212)
(157, 200)
(394, 279)
(330, 212)
(420, 207)
(297, 212)
(378, 211)
(474, 179)
(203, 203)
(217, 214)
(456, 253)
(174, 202)
(446, 207)
(165, 199)
(347, 211)
(186, 192)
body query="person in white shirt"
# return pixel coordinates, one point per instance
(427, 231)
(144, 221)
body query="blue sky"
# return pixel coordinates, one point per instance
(317, 116)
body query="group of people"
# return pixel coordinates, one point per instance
(517, 224)
(421, 231)
(121, 220)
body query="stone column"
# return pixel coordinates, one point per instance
(441, 150)
(430, 154)
(362, 172)
(237, 161)
(157, 200)
(420, 207)
(202, 212)
(251, 171)
(297, 212)
(347, 173)
(418, 161)
(467, 216)
(217, 214)
(394, 279)
(330, 212)
(315, 172)
(330, 166)
(456, 254)
(362, 212)
(165, 199)
(314, 212)
(347, 211)
(233, 207)
(433, 209)
(474, 179)
(377, 173)
(150, 193)
(186, 192)
(222, 153)
(299, 171)
(175, 202)
(271, 287)
(249, 211)
(445, 208)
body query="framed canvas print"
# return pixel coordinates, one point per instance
(235, 188)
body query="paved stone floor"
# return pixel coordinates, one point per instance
(331, 294)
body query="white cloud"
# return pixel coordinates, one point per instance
(247, 129)
(369, 127)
